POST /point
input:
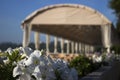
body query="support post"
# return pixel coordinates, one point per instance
(55, 44)
(68, 47)
(83, 48)
(72, 43)
(62, 45)
(76, 47)
(36, 37)
(26, 35)
(79, 47)
(47, 42)
(106, 36)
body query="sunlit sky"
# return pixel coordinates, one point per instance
(13, 12)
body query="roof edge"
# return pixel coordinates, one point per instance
(32, 15)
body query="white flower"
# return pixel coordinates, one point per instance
(43, 72)
(33, 58)
(37, 73)
(109, 57)
(40, 66)
(17, 71)
(59, 64)
(96, 58)
(21, 71)
(25, 50)
(25, 77)
(9, 50)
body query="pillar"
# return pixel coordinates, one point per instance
(83, 48)
(79, 47)
(36, 37)
(26, 34)
(62, 45)
(68, 46)
(88, 48)
(47, 42)
(76, 47)
(55, 44)
(92, 48)
(72, 46)
(106, 36)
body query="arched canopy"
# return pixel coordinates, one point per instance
(65, 14)
(71, 21)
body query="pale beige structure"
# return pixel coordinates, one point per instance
(77, 23)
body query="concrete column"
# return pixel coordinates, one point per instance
(72, 46)
(79, 47)
(88, 48)
(68, 47)
(37, 38)
(26, 35)
(83, 48)
(106, 36)
(47, 42)
(92, 49)
(76, 47)
(55, 44)
(62, 45)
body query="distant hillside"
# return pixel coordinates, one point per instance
(6, 45)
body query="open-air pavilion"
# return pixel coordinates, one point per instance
(76, 23)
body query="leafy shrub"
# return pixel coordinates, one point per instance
(6, 72)
(6, 69)
(84, 65)
(116, 49)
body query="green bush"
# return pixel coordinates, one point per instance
(6, 72)
(116, 49)
(83, 65)
(6, 69)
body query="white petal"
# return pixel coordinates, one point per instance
(28, 51)
(17, 71)
(25, 77)
(37, 53)
(37, 73)
(29, 61)
(9, 50)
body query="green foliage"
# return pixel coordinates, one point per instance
(82, 64)
(115, 5)
(116, 49)
(6, 70)
(14, 56)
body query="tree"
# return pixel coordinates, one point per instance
(115, 5)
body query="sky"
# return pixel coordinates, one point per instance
(13, 12)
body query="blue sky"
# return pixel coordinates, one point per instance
(13, 12)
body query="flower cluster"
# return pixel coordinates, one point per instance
(37, 65)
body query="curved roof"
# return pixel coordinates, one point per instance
(71, 21)
(67, 14)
